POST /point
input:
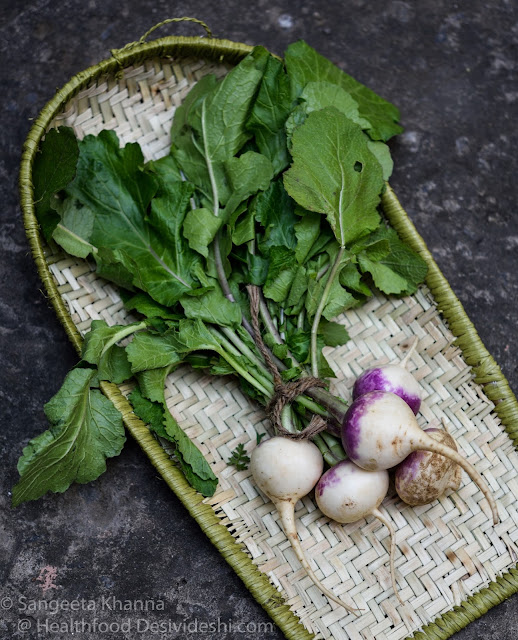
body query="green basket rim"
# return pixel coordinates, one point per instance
(487, 372)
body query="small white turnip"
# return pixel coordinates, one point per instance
(346, 493)
(380, 430)
(287, 470)
(424, 476)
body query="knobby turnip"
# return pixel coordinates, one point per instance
(346, 493)
(424, 476)
(379, 430)
(391, 377)
(287, 470)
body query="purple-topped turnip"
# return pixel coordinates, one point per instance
(346, 493)
(287, 470)
(391, 377)
(424, 476)
(379, 430)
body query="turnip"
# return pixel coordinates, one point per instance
(424, 476)
(287, 470)
(379, 430)
(346, 493)
(391, 377)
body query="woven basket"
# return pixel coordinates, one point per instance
(452, 564)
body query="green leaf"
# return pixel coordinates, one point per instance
(194, 336)
(274, 210)
(152, 382)
(239, 458)
(227, 105)
(382, 153)
(319, 95)
(282, 270)
(245, 229)
(350, 278)
(338, 300)
(269, 112)
(399, 271)
(212, 307)
(248, 174)
(75, 227)
(335, 174)
(152, 351)
(194, 466)
(305, 65)
(110, 181)
(85, 429)
(54, 167)
(334, 334)
(144, 304)
(100, 348)
(199, 228)
(152, 413)
(307, 232)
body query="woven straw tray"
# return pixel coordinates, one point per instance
(452, 564)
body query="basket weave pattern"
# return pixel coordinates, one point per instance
(447, 550)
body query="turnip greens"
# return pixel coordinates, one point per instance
(273, 179)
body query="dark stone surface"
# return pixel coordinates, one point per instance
(450, 67)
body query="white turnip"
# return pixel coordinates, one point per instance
(380, 430)
(391, 377)
(287, 470)
(346, 493)
(424, 476)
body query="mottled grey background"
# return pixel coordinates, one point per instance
(449, 66)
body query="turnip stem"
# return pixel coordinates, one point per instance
(334, 446)
(377, 514)
(320, 310)
(327, 454)
(286, 511)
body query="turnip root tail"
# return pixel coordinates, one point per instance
(377, 514)
(286, 511)
(429, 444)
(405, 360)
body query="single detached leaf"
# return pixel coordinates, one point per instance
(305, 65)
(54, 167)
(333, 172)
(85, 429)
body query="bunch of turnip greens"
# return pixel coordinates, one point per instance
(273, 179)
